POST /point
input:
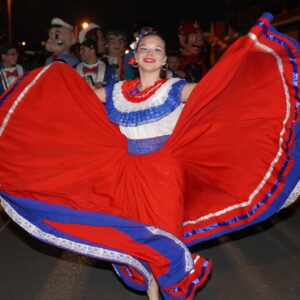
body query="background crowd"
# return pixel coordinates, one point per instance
(106, 57)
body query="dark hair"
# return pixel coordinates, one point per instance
(139, 26)
(116, 33)
(89, 43)
(6, 47)
(92, 34)
(151, 34)
(173, 54)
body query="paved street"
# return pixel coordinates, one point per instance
(259, 263)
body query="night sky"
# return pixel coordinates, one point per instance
(31, 18)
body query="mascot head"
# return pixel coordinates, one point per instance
(61, 37)
(190, 38)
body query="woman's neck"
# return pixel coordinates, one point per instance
(147, 80)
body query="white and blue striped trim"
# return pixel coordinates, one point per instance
(128, 114)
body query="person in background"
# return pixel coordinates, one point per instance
(173, 62)
(91, 68)
(93, 32)
(60, 41)
(115, 45)
(9, 69)
(191, 61)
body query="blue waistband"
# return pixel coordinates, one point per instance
(145, 146)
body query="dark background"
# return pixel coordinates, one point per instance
(31, 18)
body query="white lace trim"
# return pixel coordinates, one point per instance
(158, 98)
(293, 196)
(189, 263)
(93, 251)
(164, 126)
(280, 148)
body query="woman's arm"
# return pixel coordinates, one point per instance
(101, 94)
(186, 91)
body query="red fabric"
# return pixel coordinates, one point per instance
(237, 123)
(185, 284)
(122, 67)
(108, 236)
(135, 276)
(188, 28)
(132, 61)
(130, 86)
(74, 143)
(69, 153)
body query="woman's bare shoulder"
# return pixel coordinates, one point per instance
(186, 91)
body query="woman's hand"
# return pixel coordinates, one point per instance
(98, 85)
(100, 92)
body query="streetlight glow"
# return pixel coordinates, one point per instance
(85, 24)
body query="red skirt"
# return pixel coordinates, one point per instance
(232, 161)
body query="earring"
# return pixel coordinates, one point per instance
(132, 61)
(165, 67)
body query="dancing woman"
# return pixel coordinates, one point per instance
(137, 181)
(147, 110)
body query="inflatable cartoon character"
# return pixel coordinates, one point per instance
(191, 61)
(60, 40)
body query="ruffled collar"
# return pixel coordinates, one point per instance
(162, 102)
(131, 92)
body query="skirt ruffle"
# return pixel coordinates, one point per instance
(232, 161)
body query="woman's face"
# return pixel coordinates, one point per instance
(151, 54)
